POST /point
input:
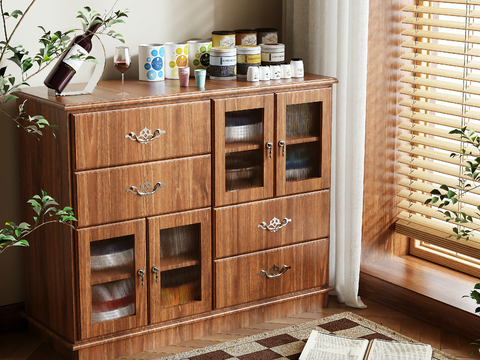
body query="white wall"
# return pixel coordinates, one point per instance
(149, 21)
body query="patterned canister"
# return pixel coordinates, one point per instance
(273, 54)
(176, 55)
(199, 55)
(247, 55)
(267, 36)
(223, 63)
(223, 38)
(245, 37)
(151, 66)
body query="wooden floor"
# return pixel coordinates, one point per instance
(19, 345)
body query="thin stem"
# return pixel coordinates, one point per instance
(4, 20)
(15, 29)
(123, 76)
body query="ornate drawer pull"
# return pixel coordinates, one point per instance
(274, 272)
(281, 143)
(274, 225)
(146, 189)
(269, 146)
(145, 135)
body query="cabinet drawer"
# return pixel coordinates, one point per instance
(238, 229)
(100, 138)
(105, 196)
(238, 279)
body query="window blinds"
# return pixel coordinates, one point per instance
(442, 93)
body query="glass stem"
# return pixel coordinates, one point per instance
(122, 81)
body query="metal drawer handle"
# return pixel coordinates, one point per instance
(274, 272)
(269, 146)
(274, 225)
(281, 143)
(146, 189)
(156, 270)
(145, 136)
(141, 273)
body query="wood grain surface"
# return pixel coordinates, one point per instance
(237, 227)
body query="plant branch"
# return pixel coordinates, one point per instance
(4, 20)
(14, 30)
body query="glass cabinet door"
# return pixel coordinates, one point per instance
(243, 149)
(180, 264)
(112, 278)
(303, 141)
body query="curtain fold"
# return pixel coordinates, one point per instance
(332, 37)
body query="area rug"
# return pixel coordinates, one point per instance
(288, 342)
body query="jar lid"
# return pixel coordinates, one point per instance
(223, 51)
(175, 43)
(248, 49)
(223, 32)
(246, 31)
(273, 47)
(199, 41)
(266, 30)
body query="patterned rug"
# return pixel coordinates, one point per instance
(288, 343)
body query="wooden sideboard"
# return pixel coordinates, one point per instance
(199, 211)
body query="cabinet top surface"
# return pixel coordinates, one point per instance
(105, 95)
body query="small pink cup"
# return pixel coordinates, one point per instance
(183, 75)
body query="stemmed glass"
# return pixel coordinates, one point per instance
(122, 62)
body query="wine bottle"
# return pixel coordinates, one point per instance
(66, 67)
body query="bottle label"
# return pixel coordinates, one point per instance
(223, 60)
(273, 57)
(74, 64)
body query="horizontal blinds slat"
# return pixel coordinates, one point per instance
(431, 212)
(459, 25)
(438, 120)
(432, 232)
(438, 84)
(433, 95)
(432, 166)
(426, 141)
(460, 2)
(430, 154)
(437, 35)
(450, 49)
(442, 11)
(441, 60)
(427, 188)
(431, 130)
(438, 108)
(431, 177)
(452, 74)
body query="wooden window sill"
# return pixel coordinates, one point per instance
(425, 290)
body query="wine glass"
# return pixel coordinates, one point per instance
(122, 62)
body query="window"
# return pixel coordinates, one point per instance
(443, 93)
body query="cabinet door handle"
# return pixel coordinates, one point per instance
(145, 136)
(281, 143)
(274, 272)
(269, 146)
(274, 225)
(156, 270)
(141, 273)
(146, 189)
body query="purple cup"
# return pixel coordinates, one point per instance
(183, 75)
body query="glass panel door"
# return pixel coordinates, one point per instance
(243, 149)
(303, 140)
(112, 277)
(180, 264)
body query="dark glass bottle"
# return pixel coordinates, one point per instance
(66, 67)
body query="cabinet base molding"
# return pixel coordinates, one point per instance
(172, 332)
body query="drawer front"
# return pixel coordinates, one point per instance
(252, 227)
(107, 195)
(105, 138)
(238, 279)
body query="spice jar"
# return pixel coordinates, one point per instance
(223, 38)
(245, 37)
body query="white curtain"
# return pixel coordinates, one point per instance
(331, 38)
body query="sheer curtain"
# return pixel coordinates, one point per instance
(331, 38)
